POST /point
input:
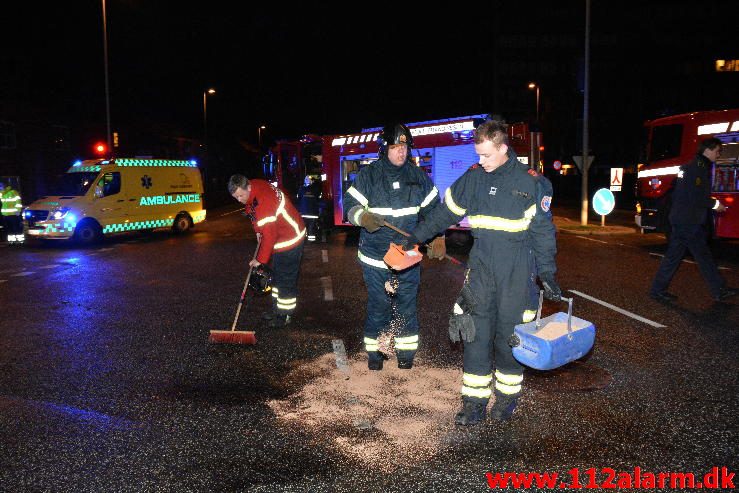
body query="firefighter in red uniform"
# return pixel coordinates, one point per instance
(283, 236)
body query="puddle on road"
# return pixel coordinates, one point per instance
(578, 376)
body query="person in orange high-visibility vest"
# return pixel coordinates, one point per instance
(11, 212)
(283, 237)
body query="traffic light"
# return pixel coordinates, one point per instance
(100, 148)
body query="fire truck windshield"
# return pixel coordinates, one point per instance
(666, 142)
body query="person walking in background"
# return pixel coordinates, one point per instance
(283, 236)
(691, 203)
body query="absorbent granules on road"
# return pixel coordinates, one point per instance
(379, 418)
(386, 337)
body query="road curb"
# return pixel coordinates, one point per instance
(568, 226)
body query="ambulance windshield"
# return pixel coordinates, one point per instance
(74, 183)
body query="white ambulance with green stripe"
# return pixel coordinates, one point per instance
(107, 196)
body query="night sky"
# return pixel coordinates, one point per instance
(336, 68)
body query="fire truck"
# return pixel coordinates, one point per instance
(671, 142)
(443, 148)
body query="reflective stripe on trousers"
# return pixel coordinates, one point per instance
(286, 266)
(380, 312)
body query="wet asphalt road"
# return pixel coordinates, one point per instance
(107, 382)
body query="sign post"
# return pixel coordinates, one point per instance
(603, 203)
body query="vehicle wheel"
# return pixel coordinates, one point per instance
(88, 232)
(181, 223)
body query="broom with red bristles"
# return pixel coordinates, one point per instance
(234, 336)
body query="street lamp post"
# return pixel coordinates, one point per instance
(259, 133)
(534, 85)
(107, 87)
(205, 117)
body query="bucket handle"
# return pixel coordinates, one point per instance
(569, 313)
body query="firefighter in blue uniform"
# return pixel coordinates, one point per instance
(390, 189)
(308, 205)
(507, 205)
(691, 203)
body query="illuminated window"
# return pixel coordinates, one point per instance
(727, 65)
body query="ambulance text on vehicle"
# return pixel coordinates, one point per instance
(107, 196)
(671, 142)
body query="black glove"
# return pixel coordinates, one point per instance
(461, 325)
(371, 221)
(552, 290)
(409, 242)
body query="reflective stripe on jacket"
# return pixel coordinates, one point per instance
(11, 202)
(398, 193)
(509, 204)
(275, 217)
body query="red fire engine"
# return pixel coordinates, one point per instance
(671, 142)
(443, 148)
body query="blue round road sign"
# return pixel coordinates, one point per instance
(603, 201)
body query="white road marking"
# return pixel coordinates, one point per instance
(324, 255)
(3, 280)
(590, 239)
(49, 266)
(617, 309)
(687, 261)
(328, 291)
(22, 274)
(105, 249)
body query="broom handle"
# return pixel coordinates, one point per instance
(446, 256)
(246, 285)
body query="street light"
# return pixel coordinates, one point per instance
(534, 85)
(259, 132)
(205, 116)
(107, 87)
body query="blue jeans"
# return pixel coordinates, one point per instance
(380, 310)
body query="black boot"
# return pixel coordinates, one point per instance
(375, 359)
(503, 407)
(472, 413)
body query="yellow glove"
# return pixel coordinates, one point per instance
(437, 248)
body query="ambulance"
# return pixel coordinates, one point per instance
(102, 197)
